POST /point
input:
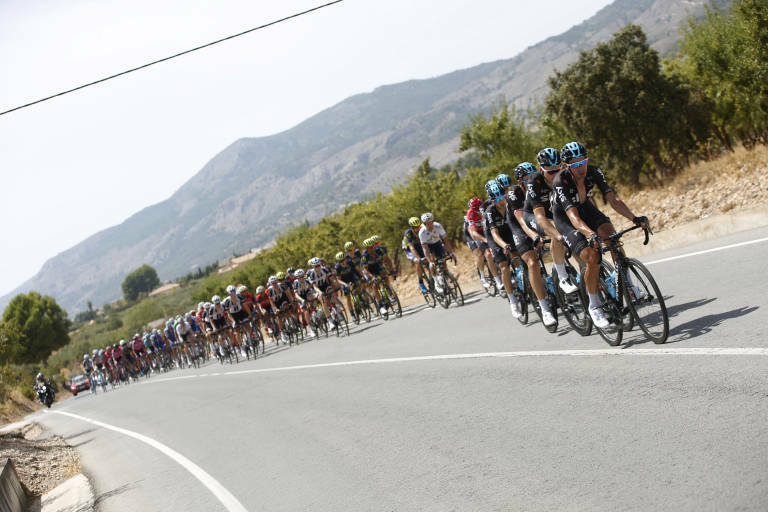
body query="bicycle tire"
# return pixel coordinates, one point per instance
(522, 298)
(442, 297)
(458, 295)
(644, 281)
(614, 333)
(574, 305)
(429, 296)
(394, 300)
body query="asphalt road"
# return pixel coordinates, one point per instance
(635, 430)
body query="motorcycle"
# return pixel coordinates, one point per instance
(45, 394)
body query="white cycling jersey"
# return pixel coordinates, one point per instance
(434, 236)
(234, 306)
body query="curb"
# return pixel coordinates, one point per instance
(73, 495)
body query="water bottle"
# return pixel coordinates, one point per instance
(519, 277)
(549, 285)
(610, 282)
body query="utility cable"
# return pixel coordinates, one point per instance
(296, 15)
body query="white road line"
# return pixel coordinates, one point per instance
(222, 494)
(723, 248)
(747, 351)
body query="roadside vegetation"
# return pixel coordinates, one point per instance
(652, 125)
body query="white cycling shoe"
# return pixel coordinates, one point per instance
(383, 310)
(567, 286)
(312, 333)
(282, 337)
(486, 284)
(548, 318)
(638, 292)
(598, 317)
(515, 309)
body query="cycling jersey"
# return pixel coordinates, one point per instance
(319, 277)
(515, 199)
(138, 345)
(87, 366)
(170, 334)
(262, 299)
(493, 219)
(411, 238)
(434, 236)
(537, 194)
(346, 273)
(302, 289)
(354, 258)
(233, 305)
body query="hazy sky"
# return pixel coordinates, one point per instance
(83, 162)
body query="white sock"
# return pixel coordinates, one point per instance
(482, 275)
(498, 281)
(594, 300)
(544, 305)
(512, 298)
(561, 272)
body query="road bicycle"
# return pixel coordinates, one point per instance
(620, 303)
(362, 308)
(389, 299)
(444, 285)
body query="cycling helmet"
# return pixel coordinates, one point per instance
(548, 157)
(122, 342)
(86, 356)
(367, 242)
(475, 203)
(216, 299)
(414, 221)
(427, 216)
(39, 376)
(272, 280)
(494, 191)
(187, 317)
(474, 216)
(573, 150)
(299, 273)
(315, 262)
(230, 289)
(375, 238)
(524, 169)
(290, 270)
(242, 288)
(280, 276)
(259, 289)
(339, 256)
(348, 246)
(94, 351)
(504, 181)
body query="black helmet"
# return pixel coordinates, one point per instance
(548, 157)
(290, 270)
(572, 150)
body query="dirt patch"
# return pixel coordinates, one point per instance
(42, 464)
(15, 407)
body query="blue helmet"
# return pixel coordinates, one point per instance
(573, 150)
(548, 157)
(504, 181)
(524, 169)
(494, 191)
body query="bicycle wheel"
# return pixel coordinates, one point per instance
(456, 293)
(606, 288)
(522, 298)
(367, 304)
(491, 288)
(429, 296)
(356, 308)
(394, 302)
(649, 311)
(441, 295)
(573, 305)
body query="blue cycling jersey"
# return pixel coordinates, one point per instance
(193, 324)
(170, 334)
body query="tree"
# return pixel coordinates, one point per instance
(725, 59)
(501, 140)
(617, 101)
(142, 280)
(40, 325)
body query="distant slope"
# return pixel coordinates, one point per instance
(362, 145)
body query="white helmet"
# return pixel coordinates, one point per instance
(122, 342)
(272, 280)
(427, 216)
(315, 262)
(216, 299)
(86, 356)
(298, 273)
(230, 289)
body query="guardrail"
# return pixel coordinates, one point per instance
(13, 498)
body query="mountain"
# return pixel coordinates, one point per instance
(258, 186)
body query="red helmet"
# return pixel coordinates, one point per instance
(475, 203)
(474, 216)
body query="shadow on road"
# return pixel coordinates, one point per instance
(114, 492)
(705, 324)
(81, 433)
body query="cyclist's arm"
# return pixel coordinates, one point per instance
(388, 262)
(544, 223)
(521, 220)
(580, 225)
(618, 205)
(497, 238)
(476, 234)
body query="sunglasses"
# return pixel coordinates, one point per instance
(576, 165)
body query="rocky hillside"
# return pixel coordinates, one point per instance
(355, 148)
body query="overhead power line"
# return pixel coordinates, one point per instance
(275, 22)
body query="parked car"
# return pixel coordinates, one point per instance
(79, 383)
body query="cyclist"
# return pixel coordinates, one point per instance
(324, 282)
(280, 298)
(500, 239)
(372, 263)
(305, 293)
(236, 312)
(526, 240)
(537, 211)
(263, 307)
(413, 250)
(87, 365)
(581, 223)
(434, 240)
(217, 316)
(348, 277)
(475, 239)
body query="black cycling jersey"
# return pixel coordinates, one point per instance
(369, 258)
(537, 194)
(567, 192)
(409, 237)
(234, 306)
(515, 200)
(493, 219)
(346, 273)
(301, 289)
(354, 260)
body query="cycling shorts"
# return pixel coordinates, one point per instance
(219, 323)
(523, 242)
(240, 317)
(437, 250)
(375, 269)
(475, 244)
(574, 239)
